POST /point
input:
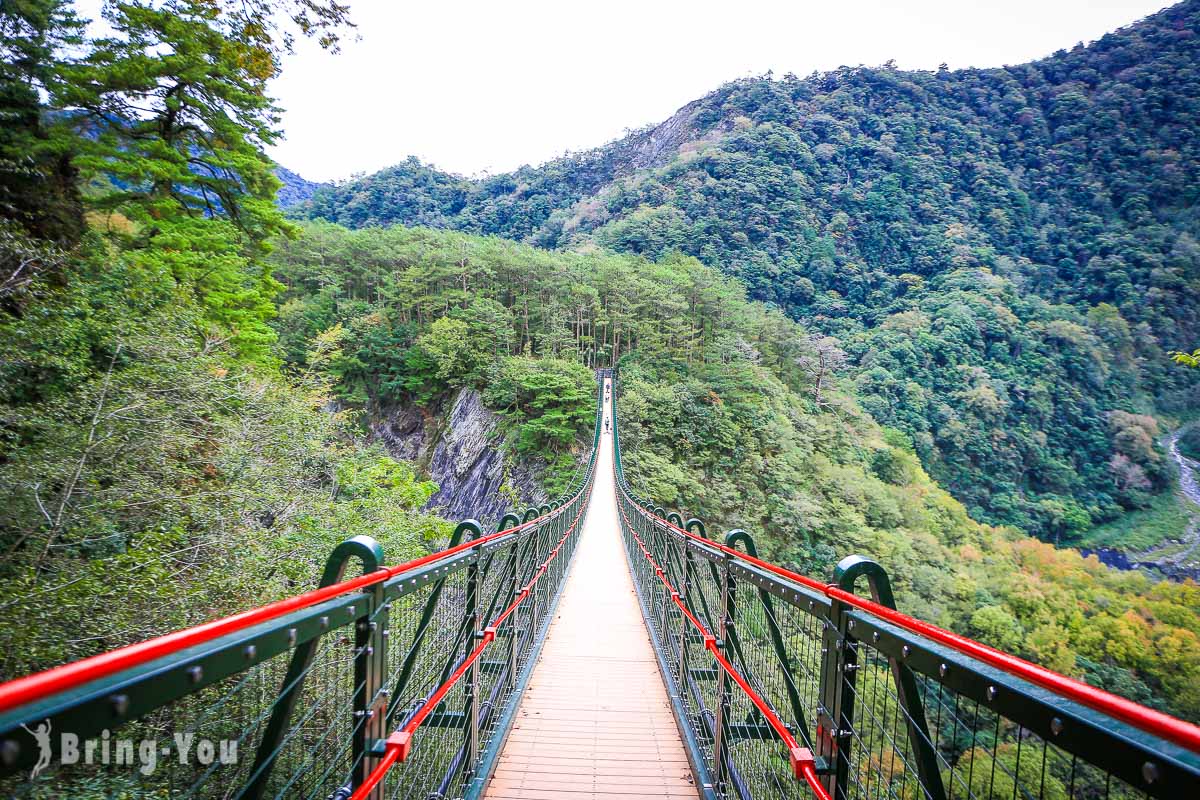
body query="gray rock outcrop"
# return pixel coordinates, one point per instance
(462, 450)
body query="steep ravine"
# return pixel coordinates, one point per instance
(461, 448)
(1176, 559)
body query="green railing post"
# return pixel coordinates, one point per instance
(528, 567)
(689, 571)
(835, 716)
(371, 554)
(846, 573)
(370, 697)
(675, 571)
(474, 634)
(514, 587)
(720, 743)
(541, 548)
(777, 643)
(557, 566)
(662, 556)
(418, 640)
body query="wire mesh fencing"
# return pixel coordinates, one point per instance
(792, 687)
(886, 712)
(300, 698)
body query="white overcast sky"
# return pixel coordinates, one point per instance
(475, 87)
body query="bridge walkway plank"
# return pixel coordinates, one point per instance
(595, 722)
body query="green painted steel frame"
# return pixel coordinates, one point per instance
(1121, 749)
(368, 551)
(126, 696)
(846, 574)
(520, 680)
(1124, 752)
(676, 685)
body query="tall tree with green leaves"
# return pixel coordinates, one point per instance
(172, 118)
(37, 182)
(176, 101)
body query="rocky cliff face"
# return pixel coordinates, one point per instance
(656, 146)
(462, 451)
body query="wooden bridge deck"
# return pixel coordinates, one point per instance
(595, 722)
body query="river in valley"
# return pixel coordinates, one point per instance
(1174, 559)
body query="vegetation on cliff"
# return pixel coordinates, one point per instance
(729, 411)
(1006, 255)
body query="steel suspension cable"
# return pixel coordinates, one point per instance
(804, 766)
(399, 744)
(1148, 720)
(69, 676)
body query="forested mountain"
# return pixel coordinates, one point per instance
(727, 412)
(184, 373)
(1004, 255)
(295, 189)
(157, 468)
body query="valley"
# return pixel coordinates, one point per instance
(1003, 256)
(924, 317)
(1164, 539)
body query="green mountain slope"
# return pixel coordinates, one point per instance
(1005, 255)
(295, 189)
(170, 448)
(157, 468)
(726, 413)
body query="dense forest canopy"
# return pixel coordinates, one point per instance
(729, 411)
(1006, 255)
(184, 373)
(157, 469)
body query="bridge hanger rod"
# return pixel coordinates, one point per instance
(1156, 723)
(34, 687)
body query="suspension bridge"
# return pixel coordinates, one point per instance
(598, 646)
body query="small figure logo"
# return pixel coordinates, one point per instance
(42, 735)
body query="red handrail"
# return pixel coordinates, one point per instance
(39, 685)
(1145, 719)
(399, 744)
(804, 766)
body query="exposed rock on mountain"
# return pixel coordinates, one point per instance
(464, 455)
(295, 189)
(1004, 256)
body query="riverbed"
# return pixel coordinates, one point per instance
(1176, 559)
